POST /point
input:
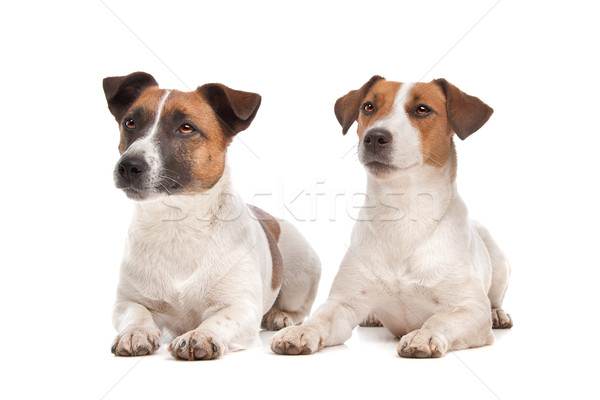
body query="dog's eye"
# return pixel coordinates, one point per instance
(186, 129)
(368, 108)
(130, 124)
(422, 110)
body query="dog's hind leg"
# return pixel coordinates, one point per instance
(500, 277)
(301, 273)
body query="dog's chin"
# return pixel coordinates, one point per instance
(380, 169)
(383, 169)
(141, 195)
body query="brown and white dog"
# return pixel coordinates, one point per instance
(430, 275)
(198, 261)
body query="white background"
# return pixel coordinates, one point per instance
(530, 175)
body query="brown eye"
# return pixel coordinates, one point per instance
(130, 124)
(186, 129)
(422, 110)
(368, 108)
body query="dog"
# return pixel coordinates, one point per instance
(198, 262)
(416, 262)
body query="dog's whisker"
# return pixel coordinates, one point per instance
(165, 188)
(171, 179)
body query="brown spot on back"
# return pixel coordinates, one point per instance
(272, 231)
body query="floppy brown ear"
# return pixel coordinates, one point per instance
(347, 107)
(236, 109)
(122, 91)
(466, 113)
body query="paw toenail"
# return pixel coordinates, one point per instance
(214, 348)
(193, 342)
(113, 349)
(182, 343)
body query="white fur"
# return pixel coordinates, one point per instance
(415, 260)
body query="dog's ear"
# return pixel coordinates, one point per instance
(466, 113)
(347, 107)
(122, 91)
(236, 109)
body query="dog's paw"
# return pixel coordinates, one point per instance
(275, 320)
(196, 345)
(371, 321)
(422, 343)
(500, 319)
(137, 341)
(296, 340)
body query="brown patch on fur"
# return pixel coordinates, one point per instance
(202, 154)
(382, 94)
(436, 131)
(272, 231)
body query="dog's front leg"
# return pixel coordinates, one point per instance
(334, 320)
(138, 334)
(468, 325)
(230, 328)
(332, 324)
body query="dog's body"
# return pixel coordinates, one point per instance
(198, 261)
(429, 274)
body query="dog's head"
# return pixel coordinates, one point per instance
(401, 125)
(172, 141)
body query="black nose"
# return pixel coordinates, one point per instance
(132, 168)
(376, 140)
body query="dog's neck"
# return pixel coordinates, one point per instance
(195, 209)
(421, 193)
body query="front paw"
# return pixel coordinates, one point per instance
(196, 345)
(500, 319)
(136, 341)
(422, 343)
(275, 320)
(296, 340)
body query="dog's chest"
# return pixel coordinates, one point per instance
(171, 265)
(410, 267)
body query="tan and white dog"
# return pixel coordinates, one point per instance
(198, 261)
(416, 261)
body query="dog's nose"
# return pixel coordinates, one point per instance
(375, 140)
(132, 168)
